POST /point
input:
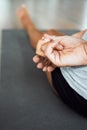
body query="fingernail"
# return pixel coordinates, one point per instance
(44, 69)
(46, 40)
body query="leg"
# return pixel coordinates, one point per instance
(28, 25)
(34, 33)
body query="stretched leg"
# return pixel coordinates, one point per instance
(28, 25)
(33, 32)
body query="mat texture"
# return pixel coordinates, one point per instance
(26, 100)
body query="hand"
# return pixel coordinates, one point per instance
(40, 59)
(43, 43)
(73, 53)
(43, 63)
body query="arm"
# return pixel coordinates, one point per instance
(74, 52)
(42, 64)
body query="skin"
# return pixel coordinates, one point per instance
(61, 53)
(72, 48)
(35, 35)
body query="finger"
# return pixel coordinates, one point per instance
(38, 49)
(45, 40)
(44, 68)
(57, 39)
(53, 55)
(46, 62)
(59, 47)
(47, 65)
(50, 37)
(43, 47)
(50, 48)
(36, 58)
(53, 37)
(50, 68)
(40, 65)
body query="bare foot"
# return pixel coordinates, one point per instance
(34, 34)
(32, 31)
(23, 16)
(28, 25)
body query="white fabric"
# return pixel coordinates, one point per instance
(77, 77)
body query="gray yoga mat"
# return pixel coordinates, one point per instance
(26, 100)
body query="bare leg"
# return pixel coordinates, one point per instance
(34, 33)
(28, 25)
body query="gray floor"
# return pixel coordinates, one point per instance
(26, 100)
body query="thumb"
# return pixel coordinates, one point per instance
(59, 40)
(51, 53)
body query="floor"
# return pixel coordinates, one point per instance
(46, 14)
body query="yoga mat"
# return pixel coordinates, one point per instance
(26, 100)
